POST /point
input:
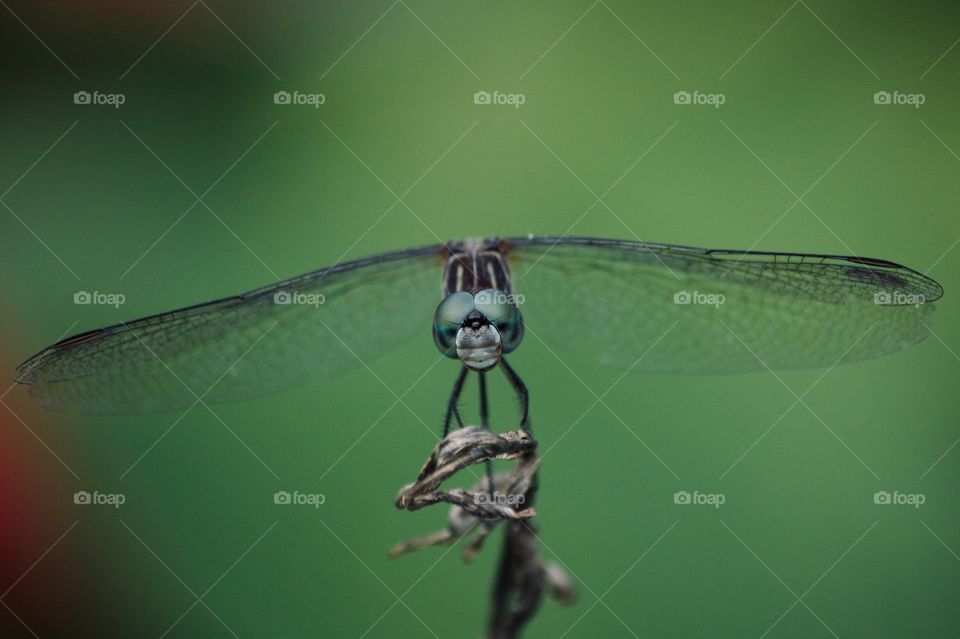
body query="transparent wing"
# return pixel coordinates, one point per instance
(243, 346)
(678, 309)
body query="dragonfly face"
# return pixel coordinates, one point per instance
(477, 328)
(478, 320)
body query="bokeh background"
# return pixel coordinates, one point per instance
(798, 157)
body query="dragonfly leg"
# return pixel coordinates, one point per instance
(484, 406)
(454, 398)
(458, 417)
(485, 422)
(522, 393)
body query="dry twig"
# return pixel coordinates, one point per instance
(521, 576)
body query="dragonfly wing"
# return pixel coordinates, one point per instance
(677, 309)
(238, 347)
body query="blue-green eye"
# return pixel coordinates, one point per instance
(447, 320)
(453, 309)
(501, 310)
(495, 305)
(511, 330)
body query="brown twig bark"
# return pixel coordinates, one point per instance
(522, 577)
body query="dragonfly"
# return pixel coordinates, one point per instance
(644, 307)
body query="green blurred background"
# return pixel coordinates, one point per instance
(97, 202)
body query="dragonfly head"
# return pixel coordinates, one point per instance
(477, 328)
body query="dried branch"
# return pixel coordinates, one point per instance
(521, 576)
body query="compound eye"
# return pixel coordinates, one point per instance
(495, 305)
(453, 309)
(511, 331)
(502, 311)
(447, 320)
